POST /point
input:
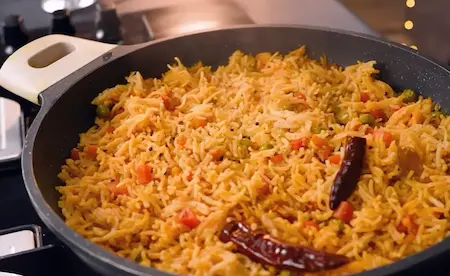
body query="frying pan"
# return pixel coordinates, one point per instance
(63, 74)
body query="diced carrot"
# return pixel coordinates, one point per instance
(254, 146)
(324, 152)
(364, 97)
(409, 224)
(318, 141)
(311, 223)
(217, 155)
(110, 129)
(277, 158)
(344, 212)
(182, 141)
(369, 130)
(264, 190)
(198, 122)
(401, 228)
(334, 159)
(170, 103)
(144, 174)
(188, 218)
(91, 151)
(262, 59)
(384, 135)
(190, 176)
(378, 114)
(75, 154)
(395, 107)
(299, 143)
(117, 190)
(300, 96)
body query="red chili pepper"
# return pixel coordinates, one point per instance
(349, 173)
(263, 249)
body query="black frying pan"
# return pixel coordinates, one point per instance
(66, 87)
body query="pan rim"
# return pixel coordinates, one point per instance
(91, 250)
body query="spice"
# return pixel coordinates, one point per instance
(262, 248)
(348, 175)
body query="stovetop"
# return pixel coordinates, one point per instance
(18, 218)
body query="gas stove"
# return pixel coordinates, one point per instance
(27, 247)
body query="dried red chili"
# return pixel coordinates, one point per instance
(264, 249)
(348, 175)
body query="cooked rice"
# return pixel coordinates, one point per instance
(255, 97)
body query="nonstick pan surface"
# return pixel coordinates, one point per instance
(63, 74)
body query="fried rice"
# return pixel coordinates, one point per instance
(220, 145)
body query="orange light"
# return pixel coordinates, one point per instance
(408, 24)
(410, 3)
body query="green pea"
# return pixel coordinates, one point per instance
(408, 95)
(103, 111)
(284, 273)
(245, 142)
(316, 129)
(289, 107)
(341, 116)
(367, 119)
(267, 146)
(341, 225)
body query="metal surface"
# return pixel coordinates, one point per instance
(69, 101)
(321, 13)
(11, 130)
(187, 18)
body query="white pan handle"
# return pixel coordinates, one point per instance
(45, 61)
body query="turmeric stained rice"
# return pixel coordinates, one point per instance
(171, 160)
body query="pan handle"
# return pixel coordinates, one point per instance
(45, 61)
